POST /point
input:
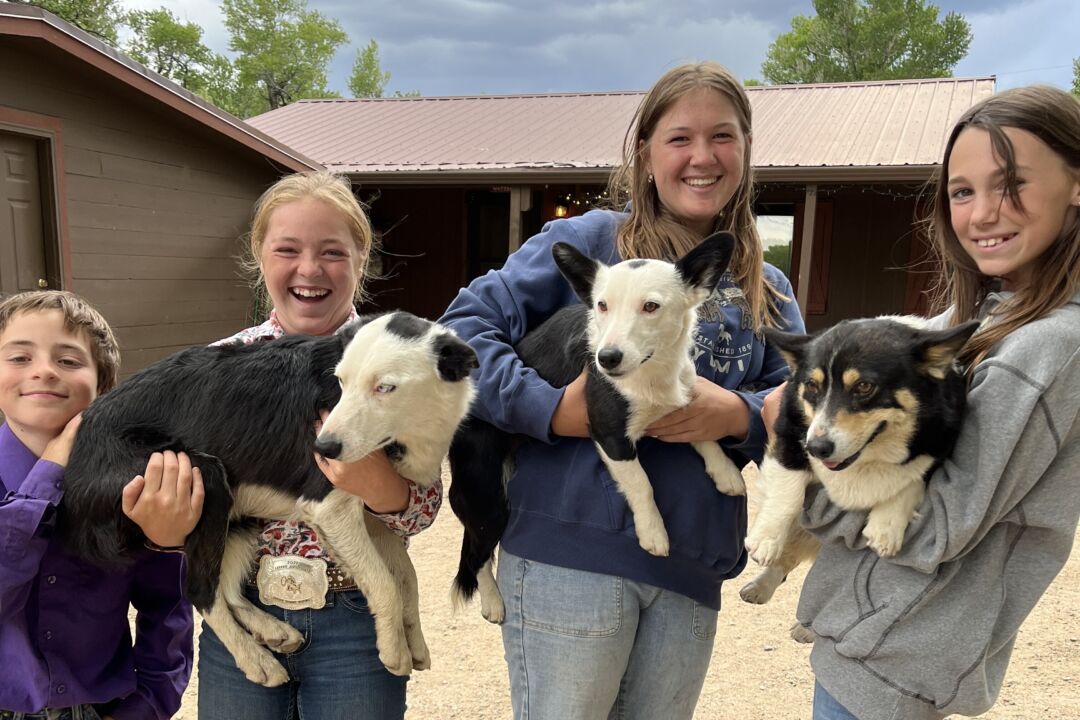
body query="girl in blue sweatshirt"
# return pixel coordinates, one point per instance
(594, 624)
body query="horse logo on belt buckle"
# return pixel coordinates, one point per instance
(292, 582)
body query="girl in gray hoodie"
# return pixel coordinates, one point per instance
(929, 632)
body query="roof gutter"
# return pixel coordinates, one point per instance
(599, 176)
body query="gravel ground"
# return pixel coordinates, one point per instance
(757, 673)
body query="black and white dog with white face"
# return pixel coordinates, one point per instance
(632, 334)
(246, 414)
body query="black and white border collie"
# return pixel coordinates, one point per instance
(632, 334)
(246, 414)
(873, 407)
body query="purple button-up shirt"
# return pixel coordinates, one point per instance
(64, 636)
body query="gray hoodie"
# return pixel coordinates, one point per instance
(929, 632)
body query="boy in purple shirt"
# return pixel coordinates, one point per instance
(65, 646)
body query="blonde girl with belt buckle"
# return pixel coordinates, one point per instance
(309, 246)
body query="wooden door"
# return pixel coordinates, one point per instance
(22, 231)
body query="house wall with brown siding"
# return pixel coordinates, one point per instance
(155, 203)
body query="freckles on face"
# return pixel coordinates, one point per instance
(311, 266)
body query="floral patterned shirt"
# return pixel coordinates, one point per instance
(292, 537)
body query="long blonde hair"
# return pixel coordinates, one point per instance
(651, 230)
(334, 190)
(1053, 116)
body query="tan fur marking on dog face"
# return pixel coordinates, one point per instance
(818, 375)
(890, 445)
(850, 377)
(907, 400)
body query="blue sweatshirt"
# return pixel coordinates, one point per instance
(564, 507)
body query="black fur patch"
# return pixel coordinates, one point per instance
(635, 264)
(407, 326)
(454, 357)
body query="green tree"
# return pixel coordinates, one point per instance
(97, 17)
(752, 82)
(1076, 77)
(780, 257)
(368, 79)
(169, 47)
(851, 40)
(283, 49)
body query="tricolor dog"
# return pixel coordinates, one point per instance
(246, 414)
(873, 407)
(632, 335)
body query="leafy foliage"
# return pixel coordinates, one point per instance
(283, 49)
(97, 17)
(853, 40)
(169, 47)
(368, 79)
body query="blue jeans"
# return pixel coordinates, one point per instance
(335, 675)
(79, 712)
(584, 646)
(827, 708)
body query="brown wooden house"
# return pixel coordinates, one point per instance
(455, 184)
(117, 184)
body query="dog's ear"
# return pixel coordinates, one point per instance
(792, 346)
(454, 358)
(578, 269)
(702, 267)
(936, 349)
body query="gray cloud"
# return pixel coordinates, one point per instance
(464, 47)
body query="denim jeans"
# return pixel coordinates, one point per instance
(827, 708)
(79, 712)
(335, 675)
(584, 646)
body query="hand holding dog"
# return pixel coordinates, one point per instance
(571, 416)
(372, 478)
(59, 448)
(770, 408)
(166, 501)
(711, 414)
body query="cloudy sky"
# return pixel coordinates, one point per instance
(468, 47)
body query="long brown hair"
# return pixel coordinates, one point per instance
(1053, 116)
(651, 230)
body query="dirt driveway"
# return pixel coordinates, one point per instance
(757, 673)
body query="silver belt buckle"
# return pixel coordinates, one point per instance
(292, 582)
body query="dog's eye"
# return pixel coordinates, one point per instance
(385, 388)
(863, 389)
(811, 387)
(601, 306)
(650, 307)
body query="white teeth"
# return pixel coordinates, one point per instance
(699, 182)
(309, 293)
(990, 242)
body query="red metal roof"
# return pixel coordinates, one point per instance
(847, 125)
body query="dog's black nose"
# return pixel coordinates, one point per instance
(821, 448)
(329, 448)
(609, 358)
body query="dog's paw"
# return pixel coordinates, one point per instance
(884, 538)
(278, 636)
(764, 550)
(802, 634)
(396, 656)
(753, 592)
(728, 479)
(654, 539)
(495, 612)
(421, 656)
(260, 667)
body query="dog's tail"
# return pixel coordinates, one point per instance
(206, 543)
(478, 455)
